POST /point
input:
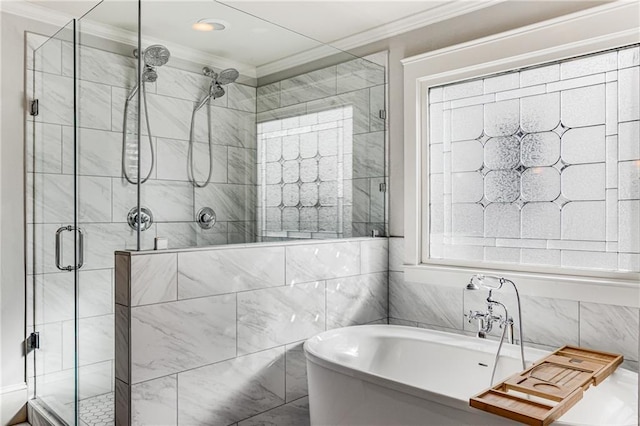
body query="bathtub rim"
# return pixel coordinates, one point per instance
(459, 340)
(376, 379)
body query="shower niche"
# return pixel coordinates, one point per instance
(204, 138)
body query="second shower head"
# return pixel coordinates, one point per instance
(224, 77)
(227, 76)
(149, 75)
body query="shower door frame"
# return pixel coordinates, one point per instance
(70, 224)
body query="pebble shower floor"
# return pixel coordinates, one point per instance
(97, 410)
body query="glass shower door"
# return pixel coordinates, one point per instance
(54, 239)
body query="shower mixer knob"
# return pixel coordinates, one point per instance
(145, 221)
(206, 218)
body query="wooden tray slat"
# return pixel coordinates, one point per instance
(560, 378)
(513, 407)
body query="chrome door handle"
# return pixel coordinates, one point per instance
(59, 248)
(69, 228)
(80, 248)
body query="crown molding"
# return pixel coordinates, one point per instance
(632, 7)
(28, 10)
(32, 11)
(410, 23)
(413, 22)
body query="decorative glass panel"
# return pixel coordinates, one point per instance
(306, 175)
(542, 164)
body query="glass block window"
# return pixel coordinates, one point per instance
(305, 175)
(539, 166)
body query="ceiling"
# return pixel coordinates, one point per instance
(283, 30)
(330, 21)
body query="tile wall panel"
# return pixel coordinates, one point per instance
(238, 356)
(161, 344)
(357, 300)
(547, 322)
(156, 279)
(280, 315)
(155, 402)
(207, 273)
(322, 261)
(232, 390)
(296, 372)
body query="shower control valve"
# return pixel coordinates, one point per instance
(145, 221)
(206, 218)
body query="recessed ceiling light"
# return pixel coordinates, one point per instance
(210, 24)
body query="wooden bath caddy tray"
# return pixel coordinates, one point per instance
(550, 387)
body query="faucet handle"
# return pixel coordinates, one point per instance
(469, 316)
(474, 315)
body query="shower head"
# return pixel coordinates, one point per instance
(228, 76)
(216, 91)
(472, 285)
(489, 282)
(149, 75)
(156, 55)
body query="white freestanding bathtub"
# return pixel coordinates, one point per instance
(391, 375)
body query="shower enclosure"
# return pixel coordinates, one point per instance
(247, 135)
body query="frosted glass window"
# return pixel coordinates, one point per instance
(305, 175)
(539, 166)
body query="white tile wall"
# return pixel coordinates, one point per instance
(207, 273)
(232, 390)
(157, 351)
(155, 401)
(322, 261)
(547, 322)
(155, 279)
(223, 376)
(280, 315)
(417, 302)
(356, 300)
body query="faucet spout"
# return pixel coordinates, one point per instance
(486, 319)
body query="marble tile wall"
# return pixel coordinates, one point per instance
(539, 166)
(548, 322)
(104, 80)
(217, 333)
(294, 106)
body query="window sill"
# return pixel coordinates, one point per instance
(622, 292)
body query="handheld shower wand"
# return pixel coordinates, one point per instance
(153, 56)
(215, 91)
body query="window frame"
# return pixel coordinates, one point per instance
(598, 29)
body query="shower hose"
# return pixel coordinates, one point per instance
(124, 138)
(504, 331)
(190, 159)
